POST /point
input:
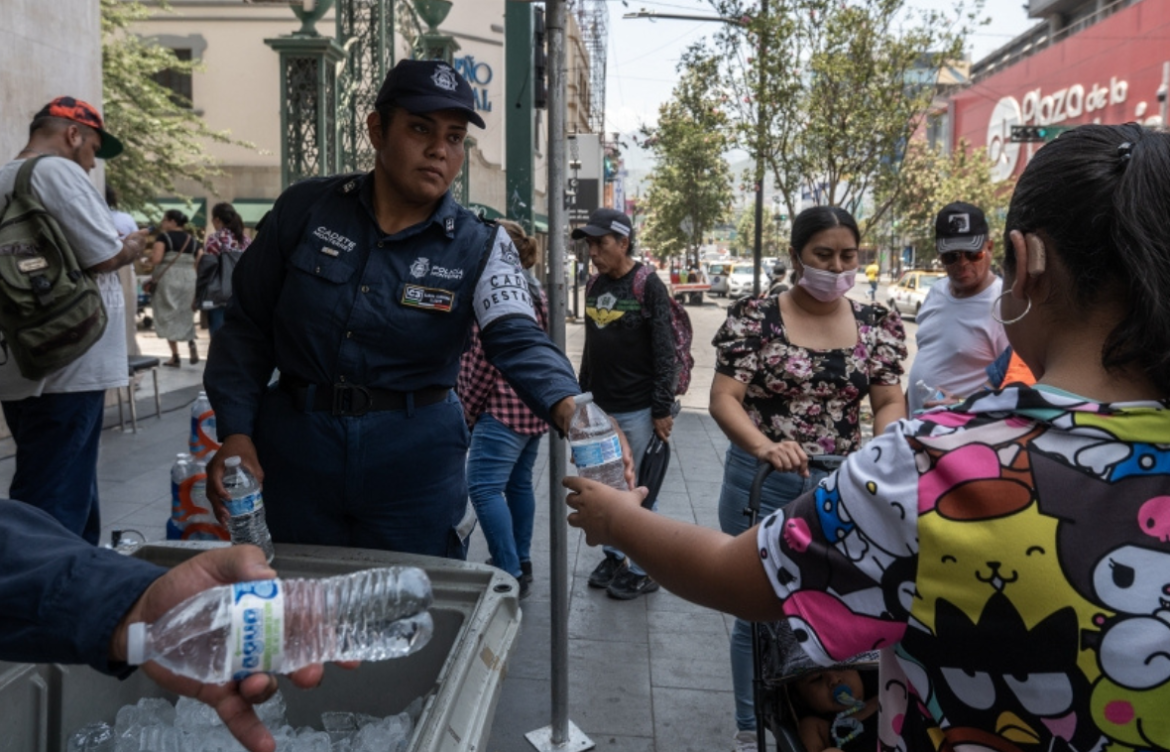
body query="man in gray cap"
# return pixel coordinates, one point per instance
(362, 290)
(957, 335)
(628, 362)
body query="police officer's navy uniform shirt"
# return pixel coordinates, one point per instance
(327, 297)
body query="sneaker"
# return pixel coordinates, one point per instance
(605, 572)
(627, 585)
(526, 572)
(745, 741)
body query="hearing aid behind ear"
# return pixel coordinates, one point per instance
(1037, 255)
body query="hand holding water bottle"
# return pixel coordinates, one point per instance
(237, 445)
(232, 701)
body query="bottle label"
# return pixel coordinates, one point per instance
(245, 505)
(597, 452)
(257, 632)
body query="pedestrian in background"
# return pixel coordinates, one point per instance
(957, 335)
(175, 256)
(505, 438)
(791, 371)
(56, 421)
(628, 362)
(228, 237)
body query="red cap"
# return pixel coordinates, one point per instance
(86, 114)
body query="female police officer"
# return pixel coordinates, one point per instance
(361, 290)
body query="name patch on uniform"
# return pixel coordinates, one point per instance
(429, 298)
(330, 251)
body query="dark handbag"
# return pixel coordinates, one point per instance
(213, 286)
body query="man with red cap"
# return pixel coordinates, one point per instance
(56, 421)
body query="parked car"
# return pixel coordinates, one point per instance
(741, 281)
(907, 295)
(718, 272)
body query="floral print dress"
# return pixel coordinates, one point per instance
(800, 394)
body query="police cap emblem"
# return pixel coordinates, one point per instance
(444, 78)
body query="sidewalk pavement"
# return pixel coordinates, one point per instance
(648, 675)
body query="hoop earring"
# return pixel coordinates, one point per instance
(996, 306)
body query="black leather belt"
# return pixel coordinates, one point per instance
(353, 400)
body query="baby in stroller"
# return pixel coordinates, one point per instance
(832, 712)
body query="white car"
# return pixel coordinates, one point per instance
(718, 273)
(908, 294)
(742, 279)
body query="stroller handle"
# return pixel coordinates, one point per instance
(827, 462)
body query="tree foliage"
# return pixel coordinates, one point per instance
(927, 180)
(163, 136)
(690, 188)
(831, 91)
(773, 241)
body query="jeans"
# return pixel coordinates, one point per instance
(390, 479)
(214, 320)
(638, 426)
(779, 489)
(57, 437)
(499, 479)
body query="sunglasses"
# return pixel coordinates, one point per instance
(950, 258)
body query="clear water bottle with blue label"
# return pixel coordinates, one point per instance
(279, 626)
(597, 450)
(202, 441)
(245, 504)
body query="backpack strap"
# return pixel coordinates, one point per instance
(23, 187)
(589, 283)
(640, 276)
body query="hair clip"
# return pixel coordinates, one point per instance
(1125, 152)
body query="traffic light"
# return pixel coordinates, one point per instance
(539, 61)
(1023, 134)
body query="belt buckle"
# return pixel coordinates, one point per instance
(351, 393)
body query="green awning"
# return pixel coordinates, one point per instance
(196, 209)
(252, 210)
(540, 223)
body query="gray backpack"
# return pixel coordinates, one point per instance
(51, 310)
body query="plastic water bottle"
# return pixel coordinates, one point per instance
(597, 450)
(278, 626)
(246, 507)
(927, 392)
(202, 442)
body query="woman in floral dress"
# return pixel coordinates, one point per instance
(791, 372)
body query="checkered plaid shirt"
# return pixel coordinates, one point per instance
(483, 389)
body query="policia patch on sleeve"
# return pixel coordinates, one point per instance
(428, 298)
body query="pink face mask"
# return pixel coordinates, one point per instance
(827, 286)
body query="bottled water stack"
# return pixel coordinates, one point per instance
(246, 507)
(597, 450)
(282, 625)
(202, 441)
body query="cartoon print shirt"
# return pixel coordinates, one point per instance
(808, 396)
(1011, 560)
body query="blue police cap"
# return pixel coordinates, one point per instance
(422, 86)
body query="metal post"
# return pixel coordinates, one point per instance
(561, 735)
(761, 125)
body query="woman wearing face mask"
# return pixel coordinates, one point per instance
(791, 371)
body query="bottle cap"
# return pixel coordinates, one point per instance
(231, 462)
(136, 644)
(583, 399)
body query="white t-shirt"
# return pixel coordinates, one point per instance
(957, 340)
(68, 195)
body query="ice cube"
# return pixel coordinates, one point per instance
(339, 725)
(311, 740)
(272, 713)
(195, 717)
(93, 737)
(388, 735)
(156, 711)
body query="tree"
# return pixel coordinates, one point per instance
(775, 242)
(927, 180)
(690, 189)
(840, 86)
(163, 136)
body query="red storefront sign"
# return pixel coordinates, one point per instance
(1107, 73)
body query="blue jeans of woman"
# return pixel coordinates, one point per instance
(499, 479)
(779, 489)
(638, 426)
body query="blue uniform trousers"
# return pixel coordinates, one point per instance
(392, 479)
